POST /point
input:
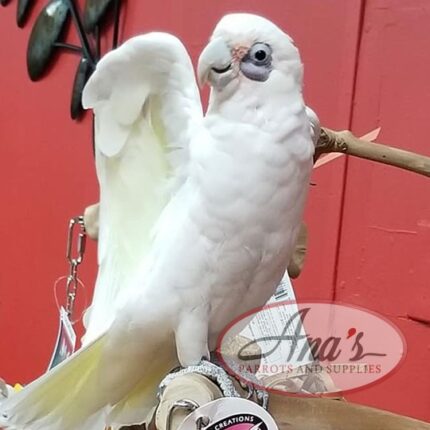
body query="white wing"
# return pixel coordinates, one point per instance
(146, 102)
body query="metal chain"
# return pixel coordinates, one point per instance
(74, 260)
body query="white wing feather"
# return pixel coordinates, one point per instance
(145, 101)
(146, 104)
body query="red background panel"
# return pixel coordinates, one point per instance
(366, 64)
(46, 177)
(384, 254)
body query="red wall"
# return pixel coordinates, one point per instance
(367, 65)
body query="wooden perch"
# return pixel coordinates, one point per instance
(346, 143)
(290, 413)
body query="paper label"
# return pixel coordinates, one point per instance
(267, 324)
(229, 413)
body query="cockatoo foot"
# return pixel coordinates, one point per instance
(212, 371)
(219, 376)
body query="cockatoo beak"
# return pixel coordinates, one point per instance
(216, 59)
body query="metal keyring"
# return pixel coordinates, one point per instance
(186, 404)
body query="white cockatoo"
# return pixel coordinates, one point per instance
(213, 205)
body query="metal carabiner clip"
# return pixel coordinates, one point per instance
(81, 240)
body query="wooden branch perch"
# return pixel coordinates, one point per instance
(345, 142)
(290, 413)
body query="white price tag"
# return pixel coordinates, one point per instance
(267, 324)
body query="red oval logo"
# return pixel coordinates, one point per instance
(311, 348)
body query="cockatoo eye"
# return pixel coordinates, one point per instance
(260, 53)
(257, 63)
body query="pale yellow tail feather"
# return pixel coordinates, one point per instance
(62, 397)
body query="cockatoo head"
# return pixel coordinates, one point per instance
(247, 48)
